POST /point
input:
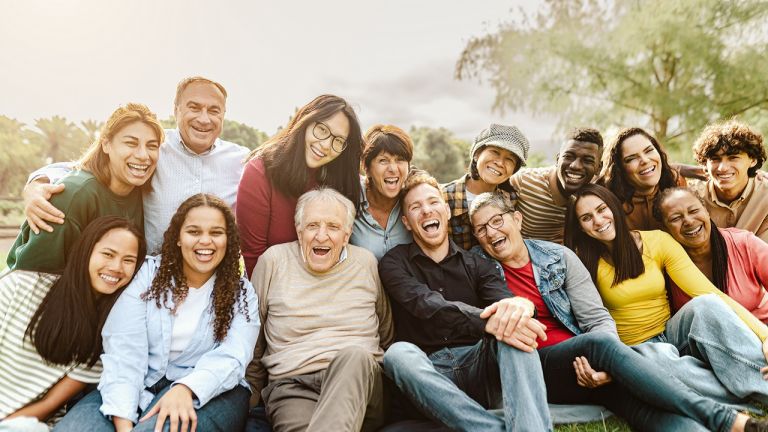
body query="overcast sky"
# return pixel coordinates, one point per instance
(394, 60)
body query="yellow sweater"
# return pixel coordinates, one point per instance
(640, 306)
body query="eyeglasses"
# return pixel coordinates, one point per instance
(321, 131)
(495, 222)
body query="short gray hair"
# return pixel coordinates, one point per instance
(327, 195)
(497, 199)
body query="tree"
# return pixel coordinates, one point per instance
(92, 129)
(60, 139)
(20, 156)
(243, 134)
(671, 66)
(439, 152)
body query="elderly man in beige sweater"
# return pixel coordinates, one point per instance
(325, 324)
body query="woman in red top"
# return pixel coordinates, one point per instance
(321, 146)
(733, 259)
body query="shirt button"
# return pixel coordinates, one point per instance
(440, 289)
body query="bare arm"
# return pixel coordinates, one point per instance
(57, 396)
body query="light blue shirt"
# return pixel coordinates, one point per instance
(368, 234)
(180, 173)
(137, 343)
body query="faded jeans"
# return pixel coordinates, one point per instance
(455, 386)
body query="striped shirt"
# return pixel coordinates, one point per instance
(24, 376)
(541, 203)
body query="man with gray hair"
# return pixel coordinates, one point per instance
(325, 324)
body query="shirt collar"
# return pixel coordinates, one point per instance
(744, 194)
(414, 250)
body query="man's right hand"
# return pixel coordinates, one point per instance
(525, 337)
(37, 208)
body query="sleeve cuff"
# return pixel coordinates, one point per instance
(204, 386)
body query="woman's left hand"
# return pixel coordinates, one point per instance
(588, 377)
(176, 405)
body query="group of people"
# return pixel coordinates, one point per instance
(171, 280)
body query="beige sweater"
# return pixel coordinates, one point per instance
(308, 317)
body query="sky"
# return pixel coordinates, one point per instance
(394, 60)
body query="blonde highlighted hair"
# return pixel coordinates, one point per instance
(95, 160)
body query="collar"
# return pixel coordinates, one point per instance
(744, 194)
(554, 187)
(414, 250)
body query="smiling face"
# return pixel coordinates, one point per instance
(595, 218)
(503, 243)
(203, 243)
(323, 234)
(113, 261)
(319, 152)
(496, 165)
(686, 219)
(577, 164)
(426, 216)
(387, 173)
(200, 115)
(641, 163)
(133, 153)
(729, 173)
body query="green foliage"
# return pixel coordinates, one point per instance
(243, 134)
(439, 152)
(672, 66)
(61, 139)
(20, 156)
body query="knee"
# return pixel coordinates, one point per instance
(402, 355)
(355, 355)
(603, 339)
(705, 305)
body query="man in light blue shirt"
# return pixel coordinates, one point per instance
(193, 159)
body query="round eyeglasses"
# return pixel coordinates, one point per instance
(321, 131)
(495, 222)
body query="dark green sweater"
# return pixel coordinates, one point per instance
(83, 200)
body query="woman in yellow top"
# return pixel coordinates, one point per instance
(629, 268)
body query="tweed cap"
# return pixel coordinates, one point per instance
(506, 137)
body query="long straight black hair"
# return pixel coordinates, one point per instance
(626, 257)
(284, 154)
(66, 327)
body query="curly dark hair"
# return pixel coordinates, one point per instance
(615, 178)
(586, 134)
(731, 137)
(170, 279)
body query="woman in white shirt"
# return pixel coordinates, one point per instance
(180, 337)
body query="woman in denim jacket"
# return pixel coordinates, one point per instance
(179, 339)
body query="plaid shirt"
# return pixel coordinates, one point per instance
(455, 194)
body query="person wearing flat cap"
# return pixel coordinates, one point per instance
(496, 154)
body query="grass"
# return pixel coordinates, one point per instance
(611, 424)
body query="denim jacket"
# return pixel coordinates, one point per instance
(565, 286)
(137, 342)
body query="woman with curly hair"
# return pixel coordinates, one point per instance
(320, 146)
(629, 269)
(50, 325)
(178, 340)
(636, 169)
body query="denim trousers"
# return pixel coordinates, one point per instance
(641, 392)
(226, 412)
(720, 357)
(457, 385)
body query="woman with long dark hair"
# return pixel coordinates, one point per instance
(629, 268)
(733, 259)
(50, 325)
(178, 340)
(636, 169)
(320, 146)
(107, 182)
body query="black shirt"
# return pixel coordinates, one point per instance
(437, 305)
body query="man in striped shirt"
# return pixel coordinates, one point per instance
(543, 192)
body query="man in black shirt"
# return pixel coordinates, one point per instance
(464, 343)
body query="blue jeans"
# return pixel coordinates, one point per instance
(722, 354)
(644, 394)
(226, 412)
(456, 385)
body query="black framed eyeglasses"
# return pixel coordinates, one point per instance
(321, 131)
(495, 222)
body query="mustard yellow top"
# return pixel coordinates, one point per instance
(640, 306)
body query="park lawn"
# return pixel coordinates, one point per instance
(611, 424)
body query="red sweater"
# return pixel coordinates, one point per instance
(264, 214)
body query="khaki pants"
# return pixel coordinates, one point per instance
(347, 396)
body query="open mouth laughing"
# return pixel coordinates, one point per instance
(430, 226)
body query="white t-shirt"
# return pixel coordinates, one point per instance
(188, 315)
